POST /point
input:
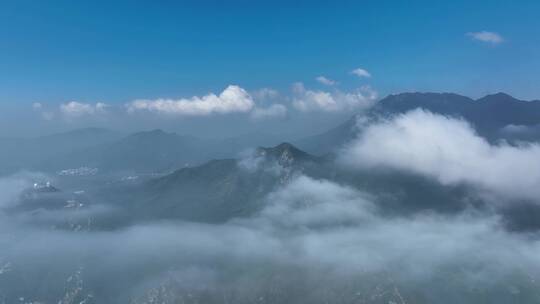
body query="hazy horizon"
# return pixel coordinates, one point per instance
(292, 126)
(300, 68)
(209, 152)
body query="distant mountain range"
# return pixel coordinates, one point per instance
(489, 115)
(148, 151)
(33, 153)
(157, 151)
(109, 151)
(494, 116)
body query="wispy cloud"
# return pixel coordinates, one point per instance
(265, 94)
(309, 100)
(360, 72)
(487, 37)
(40, 108)
(273, 111)
(37, 106)
(325, 81)
(75, 109)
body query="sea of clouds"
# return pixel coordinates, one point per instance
(314, 241)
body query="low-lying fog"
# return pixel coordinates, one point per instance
(312, 241)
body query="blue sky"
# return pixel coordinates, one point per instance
(53, 52)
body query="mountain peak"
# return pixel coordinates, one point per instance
(285, 153)
(156, 132)
(498, 98)
(286, 146)
(283, 147)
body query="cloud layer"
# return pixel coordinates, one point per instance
(76, 109)
(314, 241)
(261, 104)
(233, 99)
(449, 150)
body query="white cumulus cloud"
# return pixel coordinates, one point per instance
(449, 150)
(233, 99)
(362, 73)
(487, 37)
(310, 100)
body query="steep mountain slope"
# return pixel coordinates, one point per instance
(327, 142)
(232, 146)
(221, 189)
(286, 155)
